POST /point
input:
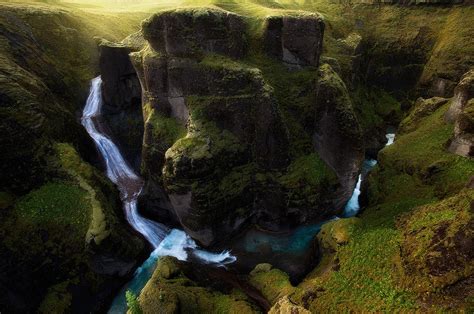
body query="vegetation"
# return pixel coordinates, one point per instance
(132, 303)
(167, 292)
(406, 252)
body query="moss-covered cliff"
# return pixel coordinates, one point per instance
(64, 242)
(253, 113)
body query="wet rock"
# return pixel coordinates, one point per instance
(296, 40)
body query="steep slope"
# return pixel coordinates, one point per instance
(64, 243)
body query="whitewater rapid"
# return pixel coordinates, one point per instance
(163, 240)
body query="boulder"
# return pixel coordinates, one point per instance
(297, 40)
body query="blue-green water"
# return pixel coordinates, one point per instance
(141, 277)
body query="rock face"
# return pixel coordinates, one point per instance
(461, 112)
(186, 32)
(215, 119)
(121, 93)
(296, 40)
(215, 138)
(337, 137)
(463, 92)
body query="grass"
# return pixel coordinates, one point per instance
(368, 279)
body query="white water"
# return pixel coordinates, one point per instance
(390, 138)
(353, 206)
(164, 241)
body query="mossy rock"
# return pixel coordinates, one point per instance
(271, 282)
(191, 31)
(285, 306)
(179, 294)
(337, 232)
(437, 240)
(421, 109)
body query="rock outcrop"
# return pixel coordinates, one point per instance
(215, 119)
(215, 138)
(461, 112)
(337, 137)
(296, 40)
(189, 32)
(463, 92)
(121, 93)
(173, 289)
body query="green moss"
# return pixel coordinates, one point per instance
(61, 202)
(308, 170)
(307, 180)
(165, 130)
(422, 152)
(180, 294)
(237, 181)
(432, 232)
(273, 284)
(375, 108)
(132, 303)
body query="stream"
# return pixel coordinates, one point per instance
(175, 242)
(164, 241)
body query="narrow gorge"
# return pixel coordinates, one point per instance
(236, 156)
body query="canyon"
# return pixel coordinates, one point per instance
(237, 156)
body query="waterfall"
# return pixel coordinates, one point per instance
(163, 240)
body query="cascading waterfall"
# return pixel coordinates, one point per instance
(163, 240)
(353, 206)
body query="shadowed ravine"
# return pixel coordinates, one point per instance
(176, 242)
(163, 240)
